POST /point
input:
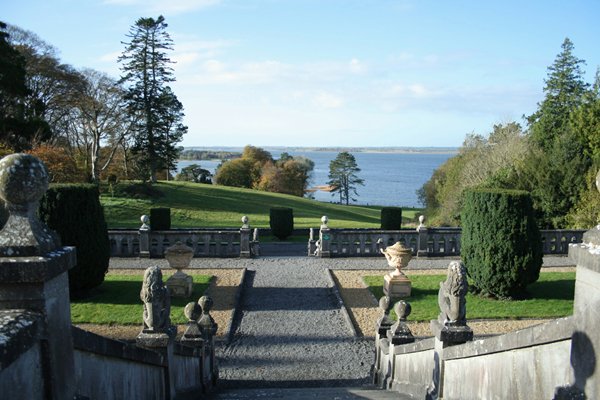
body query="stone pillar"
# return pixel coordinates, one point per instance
(384, 323)
(585, 344)
(208, 328)
(245, 230)
(312, 243)
(423, 237)
(158, 334)
(255, 244)
(323, 247)
(34, 269)
(145, 237)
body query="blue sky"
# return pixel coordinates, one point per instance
(334, 72)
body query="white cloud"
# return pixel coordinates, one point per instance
(110, 57)
(170, 7)
(356, 66)
(328, 100)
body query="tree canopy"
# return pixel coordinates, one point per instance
(151, 102)
(257, 169)
(343, 177)
(555, 159)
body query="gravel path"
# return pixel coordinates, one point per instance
(291, 332)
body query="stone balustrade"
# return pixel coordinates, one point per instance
(424, 242)
(205, 242)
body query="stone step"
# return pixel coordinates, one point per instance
(284, 249)
(337, 393)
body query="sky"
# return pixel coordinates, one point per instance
(343, 73)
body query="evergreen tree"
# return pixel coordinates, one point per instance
(555, 172)
(147, 70)
(563, 92)
(343, 178)
(18, 126)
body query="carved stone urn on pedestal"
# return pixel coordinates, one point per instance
(179, 257)
(396, 284)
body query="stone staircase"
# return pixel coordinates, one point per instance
(337, 393)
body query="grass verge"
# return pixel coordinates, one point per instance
(201, 205)
(117, 301)
(551, 297)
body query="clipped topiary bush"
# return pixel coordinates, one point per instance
(75, 213)
(281, 221)
(391, 218)
(501, 244)
(160, 219)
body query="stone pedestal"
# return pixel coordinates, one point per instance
(161, 343)
(179, 257)
(180, 285)
(396, 286)
(40, 283)
(451, 334)
(399, 333)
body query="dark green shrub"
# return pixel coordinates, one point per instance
(501, 244)
(75, 213)
(391, 218)
(160, 219)
(281, 221)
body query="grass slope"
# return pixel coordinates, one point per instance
(198, 205)
(551, 297)
(117, 301)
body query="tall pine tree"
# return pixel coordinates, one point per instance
(556, 171)
(343, 177)
(147, 70)
(563, 92)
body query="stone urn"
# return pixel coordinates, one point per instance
(179, 257)
(396, 284)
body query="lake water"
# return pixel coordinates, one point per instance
(391, 179)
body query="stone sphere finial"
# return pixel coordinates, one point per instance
(324, 221)
(23, 180)
(206, 302)
(145, 222)
(402, 310)
(192, 311)
(421, 223)
(245, 221)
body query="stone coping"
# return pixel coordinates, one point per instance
(585, 256)
(93, 343)
(37, 269)
(416, 347)
(19, 331)
(553, 331)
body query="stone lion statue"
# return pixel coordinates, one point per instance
(451, 297)
(157, 302)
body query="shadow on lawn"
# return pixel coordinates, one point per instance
(128, 293)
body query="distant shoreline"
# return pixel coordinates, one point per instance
(392, 150)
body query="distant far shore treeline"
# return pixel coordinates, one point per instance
(192, 154)
(230, 152)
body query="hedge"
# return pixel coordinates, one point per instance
(501, 244)
(75, 213)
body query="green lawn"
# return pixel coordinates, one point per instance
(551, 297)
(198, 205)
(117, 301)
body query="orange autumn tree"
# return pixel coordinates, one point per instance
(61, 167)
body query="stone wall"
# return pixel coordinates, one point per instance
(527, 364)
